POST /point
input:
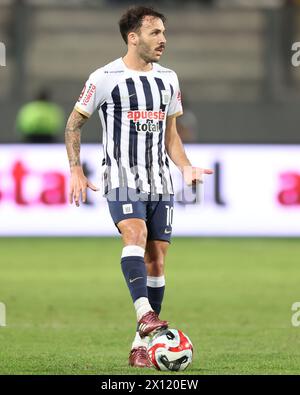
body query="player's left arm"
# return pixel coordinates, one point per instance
(175, 150)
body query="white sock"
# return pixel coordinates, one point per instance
(142, 306)
(133, 250)
(139, 342)
(156, 282)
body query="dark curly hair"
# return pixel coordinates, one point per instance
(132, 20)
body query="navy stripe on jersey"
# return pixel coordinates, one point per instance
(116, 97)
(149, 136)
(117, 122)
(167, 164)
(148, 93)
(161, 87)
(104, 112)
(106, 160)
(133, 135)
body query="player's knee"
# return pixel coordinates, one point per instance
(155, 267)
(134, 234)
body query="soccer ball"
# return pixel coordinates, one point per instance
(171, 350)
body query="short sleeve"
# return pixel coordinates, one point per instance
(175, 107)
(92, 94)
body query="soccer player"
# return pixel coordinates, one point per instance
(138, 102)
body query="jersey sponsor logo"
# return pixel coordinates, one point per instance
(91, 90)
(148, 126)
(149, 118)
(151, 115)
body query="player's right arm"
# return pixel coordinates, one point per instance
(78, 182)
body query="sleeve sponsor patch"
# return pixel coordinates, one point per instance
(86, 94)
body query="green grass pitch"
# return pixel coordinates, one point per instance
(69, 310)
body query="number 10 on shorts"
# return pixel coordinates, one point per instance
(169, 215)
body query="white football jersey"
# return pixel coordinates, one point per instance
(133, 108)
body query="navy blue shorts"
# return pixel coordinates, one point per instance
(155, 210)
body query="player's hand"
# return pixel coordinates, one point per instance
(78, 186)
(194, 175)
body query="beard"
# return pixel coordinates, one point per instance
(147, 54)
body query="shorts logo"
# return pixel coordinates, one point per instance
(127, 208)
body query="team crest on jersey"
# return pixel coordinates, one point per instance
(165, 97)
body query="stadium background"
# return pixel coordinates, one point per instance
(65, 298)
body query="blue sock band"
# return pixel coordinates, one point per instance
(155, 296)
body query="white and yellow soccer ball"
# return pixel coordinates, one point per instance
(170, 349)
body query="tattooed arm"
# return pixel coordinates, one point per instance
(78, 183)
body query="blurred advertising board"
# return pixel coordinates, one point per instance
(255, 191)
